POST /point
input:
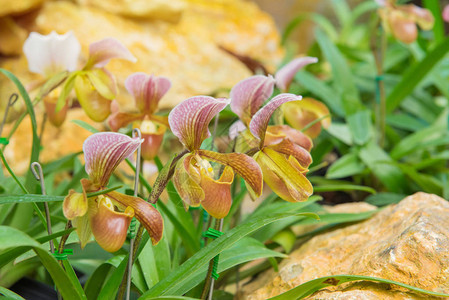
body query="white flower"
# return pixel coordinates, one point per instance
(51, 54)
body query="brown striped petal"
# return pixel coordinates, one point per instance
(285, 75)
(104, 151)
(147, 90)
(248, 95)
(242, 164)
(147, 215)
(259, 122)
(189, 120)
(289, 148)
(276, 133)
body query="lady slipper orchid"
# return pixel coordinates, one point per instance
(194, 177)
(401, 20)
(108, 216)
(51, 55)
(147, 91)
(281, 152)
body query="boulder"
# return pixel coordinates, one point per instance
(407, 242)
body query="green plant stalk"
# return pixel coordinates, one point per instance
(208, 280)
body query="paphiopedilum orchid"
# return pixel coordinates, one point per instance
(108, 216)
(147, 91)
(194, 177)
(51, 55)
(283, 155)
(402, 20)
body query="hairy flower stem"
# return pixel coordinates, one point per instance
(209, 282)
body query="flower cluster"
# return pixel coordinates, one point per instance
(402, 20)
(95, 87)
(108, 216)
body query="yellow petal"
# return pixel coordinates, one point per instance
(301, 113)
(288, 148)
(95, 106)
(186, 180)
(217, 193)
(103, 82)
(147, 215)
(83, 229)
(283, 178)
(108, 226)
(74, 205)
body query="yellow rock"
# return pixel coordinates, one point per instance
(15, 7)
(155, 9)
(406, 242)
(12, 37)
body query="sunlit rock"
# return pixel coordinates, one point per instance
(407, 242)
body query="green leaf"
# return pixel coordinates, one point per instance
(361, 126)
(112, 284)
(85, 125)
(286, 238)
(96, 280)
(406, 122)
(379, 163)
(180, 275)
(323, 91)
(229, 258)
(28, 198)
(341, 132)
(340, 187)
(382, 199)
(314, 285)
(438, 26)
(171, 298)
(11, 237)
(318, 19)
(9, 294)
(345, 166)
(415, 74)
(343, 78)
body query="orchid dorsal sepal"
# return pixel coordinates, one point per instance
(285, 75)
(147, 90)
(259, 122)
(190, 119)
(249, 94)
(104, 151)
(101, 52)
(52, 53)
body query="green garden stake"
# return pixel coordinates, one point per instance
(4, 141)
(214, 234)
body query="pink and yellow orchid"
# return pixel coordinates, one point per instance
(147, 91)
(108, 216)
(194, 175)
(281, 152)
(402, 20)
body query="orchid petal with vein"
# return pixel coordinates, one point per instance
(51, 54)
(217, 193)
(259, 122)
(104, 151)
(249, 94)
(285, 75)
(147, 90)
(190, 119)
(101, 52)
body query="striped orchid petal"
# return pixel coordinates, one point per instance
(285, 75)
(51, 54)
(101, 52)
(217, 193)
(104, 151)
(277, 133)
(248, 95)
(147, 90)
(190, 119)
(259, 122)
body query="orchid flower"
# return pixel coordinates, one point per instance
(147, 91)
(50, 55)
(445, 13)
(401, 20)
(95, 86)
(281, 151)
(194, 177)
(108, 216)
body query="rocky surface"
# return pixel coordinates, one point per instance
(407, 242)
